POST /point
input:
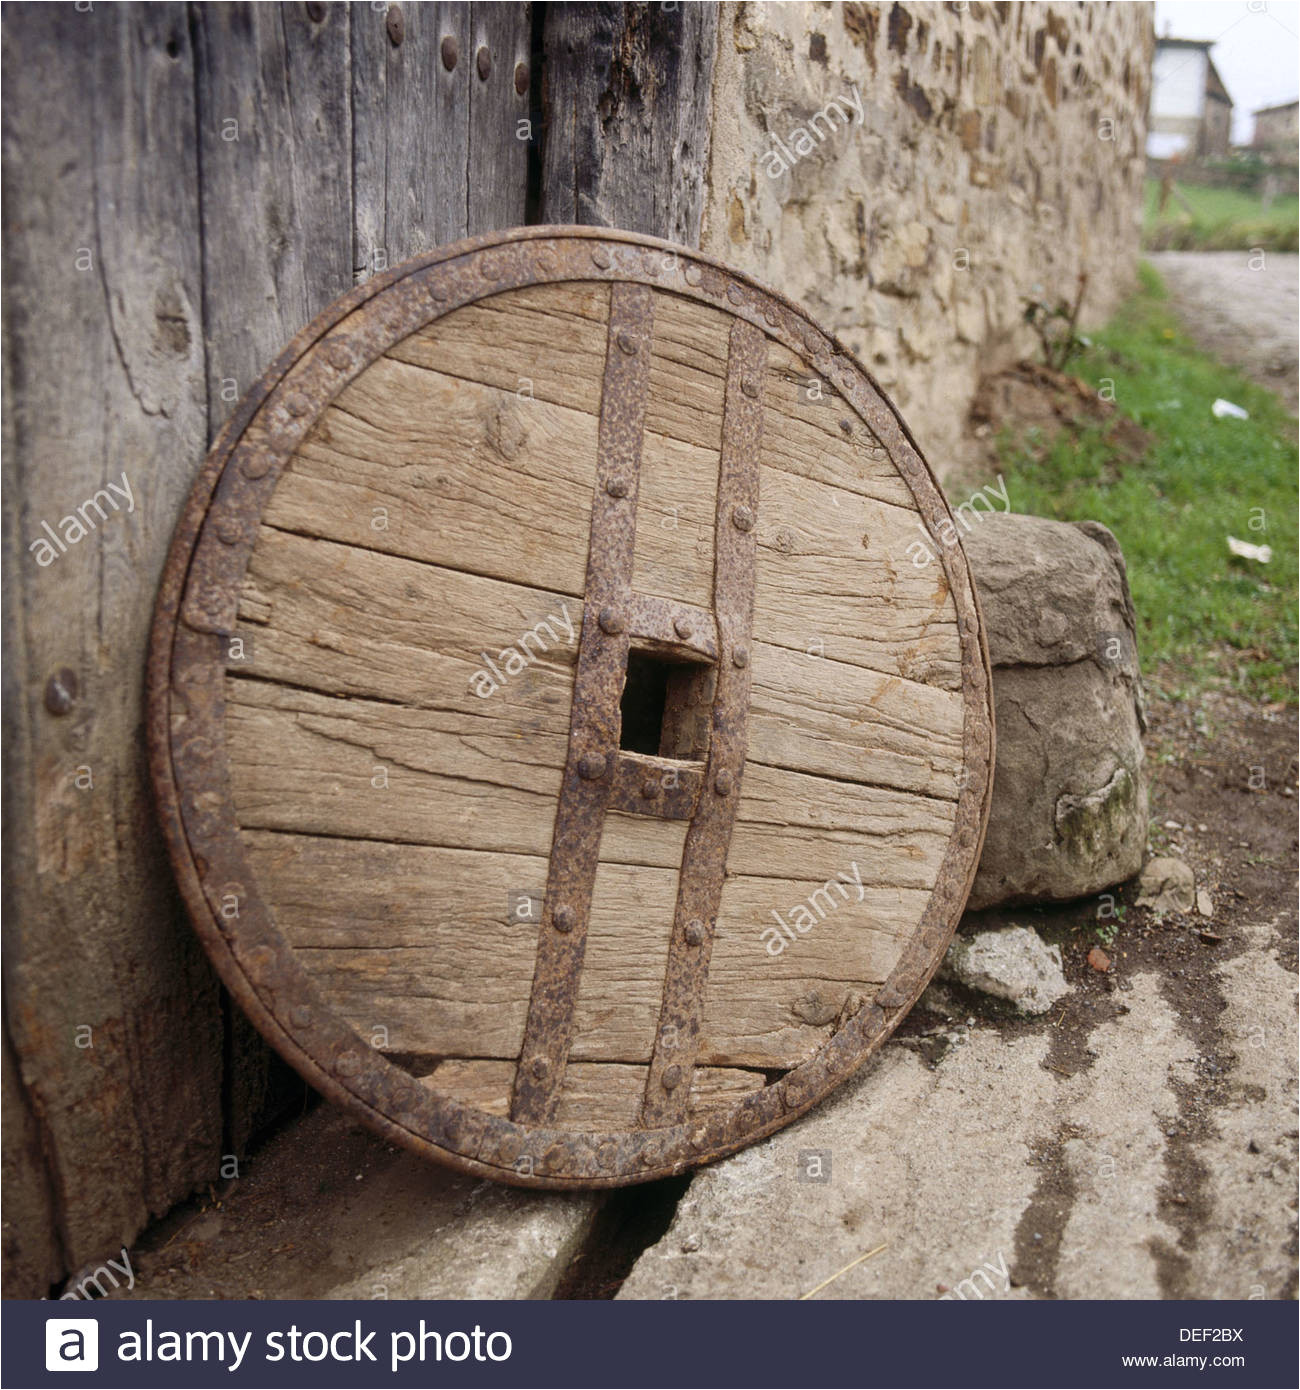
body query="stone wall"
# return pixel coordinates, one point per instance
(909, 172)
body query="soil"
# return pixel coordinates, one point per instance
(1030, 397)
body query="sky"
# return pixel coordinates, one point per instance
(1257, 52)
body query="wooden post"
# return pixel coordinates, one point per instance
(627, 95)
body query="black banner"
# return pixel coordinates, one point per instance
(574, 1345)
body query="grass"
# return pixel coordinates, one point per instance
(1203, 615)
(1221, 219)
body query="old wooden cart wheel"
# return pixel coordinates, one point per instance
(568, 708)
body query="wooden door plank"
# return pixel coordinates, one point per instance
(112, 1008)
(275, 149)
(498, 157)
(273, 90)
(410, 119)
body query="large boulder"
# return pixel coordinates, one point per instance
(1069, 813)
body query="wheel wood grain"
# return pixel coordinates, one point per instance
(381, 611)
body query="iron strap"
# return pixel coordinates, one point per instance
(704, 860)
(594, 721)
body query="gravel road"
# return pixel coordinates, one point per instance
(1242, 307)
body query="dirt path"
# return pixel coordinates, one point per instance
(1241, 307)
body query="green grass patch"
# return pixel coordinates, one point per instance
(1220, 219)
(1203, 615)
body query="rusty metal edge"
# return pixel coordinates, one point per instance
(765, 1112)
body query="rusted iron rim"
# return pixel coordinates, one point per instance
(201, 580)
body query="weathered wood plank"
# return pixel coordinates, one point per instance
(410, 121)
(384, 628)
(420, 942)
(317, 764)
(33, 1259)
(385, 468)
(498, 115)
(275, 149)
(595, 1094)
(628, 98)
(111, 1007)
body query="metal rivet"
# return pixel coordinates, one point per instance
(693, 274)
(740, 658)
(650, 790)
(483, 61)
(450, 52)
(723, 783)
(521, 78)
(617, 487)
(611, 620)
(539, 1068)
(694, 932)
(348, 1064)
(315, 12)
(742, 518)
(600, 258)
(229, 531)
(395, 25)
(846, 426)
(300, 1016)
(607, 1154)
(61, 690)
(734, 294)
(672, 1077)
(562, 919)
(750, 387)
(255, 466)
(627, 344)
(591, 766)
(682, 627)
(337, 355)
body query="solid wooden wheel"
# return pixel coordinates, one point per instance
(569, 713)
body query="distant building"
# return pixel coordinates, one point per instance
(1191, 111)
(1277, 129)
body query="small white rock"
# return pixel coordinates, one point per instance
(1203, 904)
(1013, 964)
